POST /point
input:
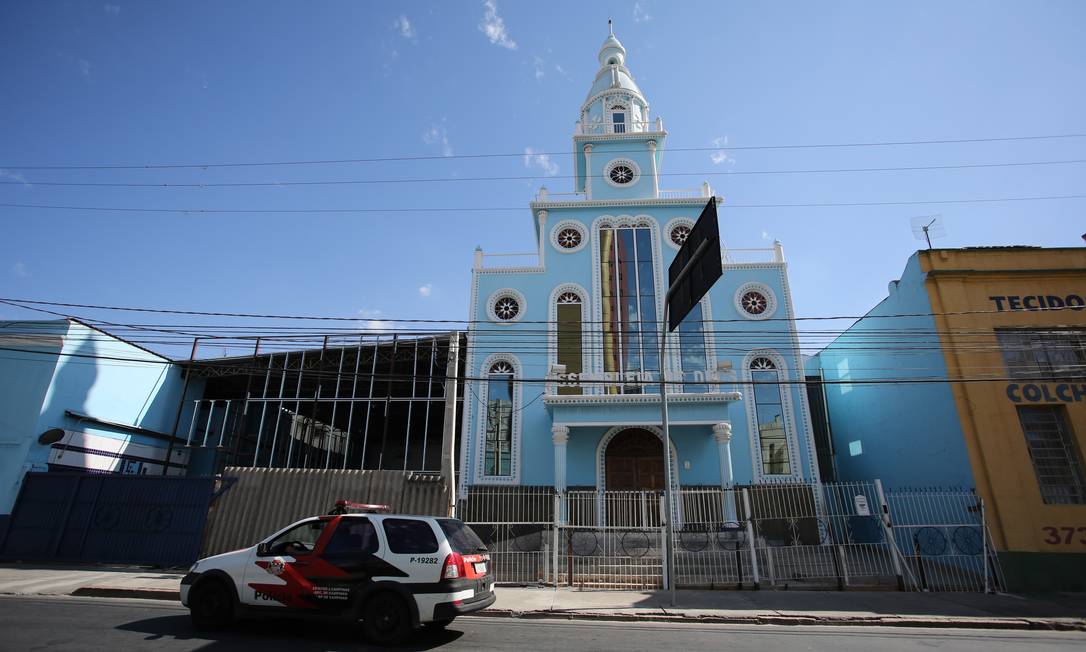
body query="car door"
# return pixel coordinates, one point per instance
(279, 575)
(413, 551)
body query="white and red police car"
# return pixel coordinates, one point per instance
(393, 572)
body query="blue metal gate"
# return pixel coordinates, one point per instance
(126, 519)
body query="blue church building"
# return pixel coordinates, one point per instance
(563, 354)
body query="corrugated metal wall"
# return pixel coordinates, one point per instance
(264, 500)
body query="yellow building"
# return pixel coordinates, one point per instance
(1017, 314)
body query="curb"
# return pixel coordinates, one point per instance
(113, 592)
(1042, 624)
(847, 621)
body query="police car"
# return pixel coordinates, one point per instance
(395, 573)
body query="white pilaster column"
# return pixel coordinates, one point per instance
(560, 435)
(588, 171)
(722, 433)
(542, 236)
(655, 177)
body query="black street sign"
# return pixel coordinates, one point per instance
(686, 291)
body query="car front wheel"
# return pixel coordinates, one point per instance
(211, 605)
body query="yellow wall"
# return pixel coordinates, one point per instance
(962, 281)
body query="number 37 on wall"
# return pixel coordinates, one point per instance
(1064, 535)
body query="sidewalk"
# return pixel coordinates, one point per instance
(886, 608)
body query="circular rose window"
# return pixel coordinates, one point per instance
(679, 234)
(569, 238)
(621, 174)
(506, 308)
(754, 302)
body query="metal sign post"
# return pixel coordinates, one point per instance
(690, 276)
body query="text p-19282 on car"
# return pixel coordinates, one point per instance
(395, 573)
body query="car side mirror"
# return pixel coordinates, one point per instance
(262, 549)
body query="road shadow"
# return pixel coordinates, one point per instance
(280, 634)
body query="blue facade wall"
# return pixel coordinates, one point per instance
(732, 339)
(88, 372)
(904, 434)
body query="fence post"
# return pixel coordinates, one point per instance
(554, 530)
(750, 538)
(984, 545)
(888, 532)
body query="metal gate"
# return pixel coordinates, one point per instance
(839, 536)
(127, 519)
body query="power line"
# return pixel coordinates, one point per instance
(491, 209)
(712, 173)
(384, 159)
(208, 313)
(528, 380)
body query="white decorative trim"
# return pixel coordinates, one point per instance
(641, 220)
(765, 291)
(498, 295)
(671, 224)
(645, 202)
(614, 163)
(804, 406)
(512, 270)
(640, 399)
(569, 224)
(552, 327)
(615, 91)
(466, 406)
(480, 425)
(790, 434)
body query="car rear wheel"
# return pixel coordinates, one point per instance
(211, 605)
(386, 619)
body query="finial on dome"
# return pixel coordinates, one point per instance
(610, 27)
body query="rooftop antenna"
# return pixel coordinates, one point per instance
(926, 227)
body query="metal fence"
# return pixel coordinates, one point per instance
(108, 518)
(841, 535)
(264, 500)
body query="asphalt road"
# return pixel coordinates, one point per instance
(65, 623)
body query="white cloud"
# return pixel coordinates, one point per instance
(494, 27)
(404, 27)
(541, 161)
(641, 12)
(438, 135)
(14, 176)
(539, 64)
(371, 321)
(426, 290)
(113, 10)
(84, 67)
(720, 156)
(19, 269)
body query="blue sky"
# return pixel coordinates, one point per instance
(118, 82)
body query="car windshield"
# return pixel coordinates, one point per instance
(461, 537)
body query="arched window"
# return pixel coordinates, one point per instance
(769, 408)
(499, 420)
(618, 118)
(627, 296)
(569, 310)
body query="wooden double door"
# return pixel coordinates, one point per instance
(634, 461)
